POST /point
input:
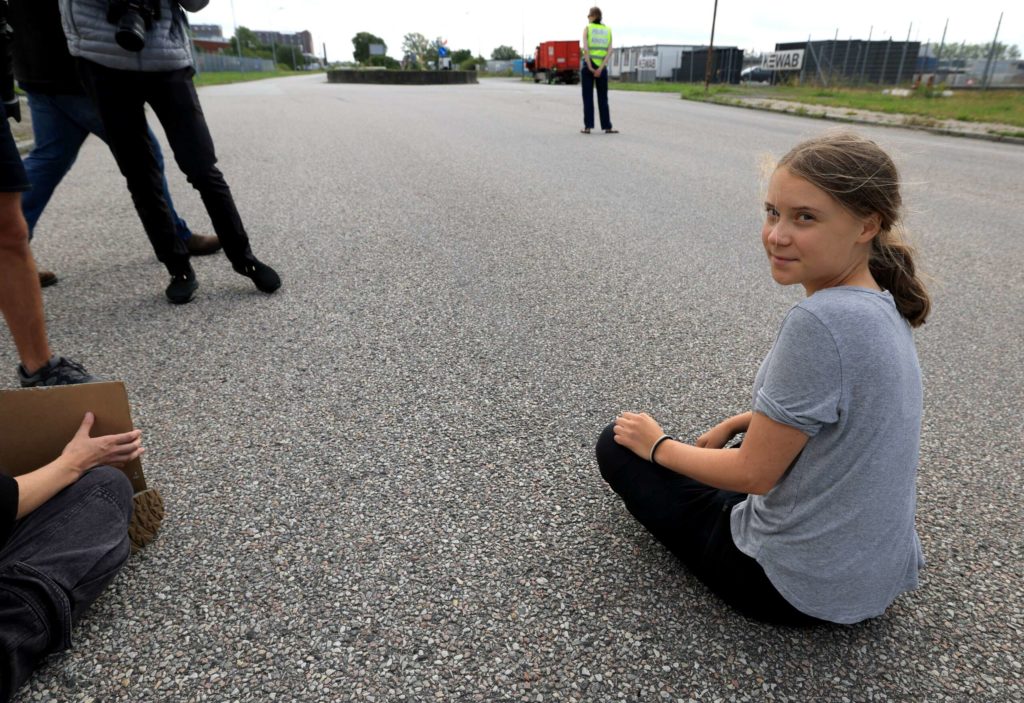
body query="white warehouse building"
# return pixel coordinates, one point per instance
(646, 63)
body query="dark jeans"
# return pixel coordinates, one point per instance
(692, 520)
(588, 81)
(60, 124)
(57, 562)
(120, 98)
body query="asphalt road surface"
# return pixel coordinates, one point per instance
(380, 481)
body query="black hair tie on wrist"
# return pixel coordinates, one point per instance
(657, 443)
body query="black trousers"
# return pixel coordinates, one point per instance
(692, 520)
(589, 82)
(120, 98)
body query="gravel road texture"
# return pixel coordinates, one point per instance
(380, 481)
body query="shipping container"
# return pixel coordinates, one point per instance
(556, 62)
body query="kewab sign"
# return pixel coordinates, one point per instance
(792, 60)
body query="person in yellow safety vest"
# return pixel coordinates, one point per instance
(597, 45)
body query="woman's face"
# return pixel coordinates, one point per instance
(810, 238)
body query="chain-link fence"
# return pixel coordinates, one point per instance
(896, 62)
(225, 62)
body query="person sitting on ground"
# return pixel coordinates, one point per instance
(63, 538)
(120, 84)
(811, 518)
(63, 117)
(20, 300)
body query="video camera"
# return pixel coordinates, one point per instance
(12, 107)
(133, 18)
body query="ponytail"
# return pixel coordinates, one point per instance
(892, 266)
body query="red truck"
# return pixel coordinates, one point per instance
(556, 62)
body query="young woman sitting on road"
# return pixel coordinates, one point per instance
(811, 518)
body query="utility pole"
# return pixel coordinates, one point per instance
(711, 49)
(238, 40)
(991, 55)
(903, 56)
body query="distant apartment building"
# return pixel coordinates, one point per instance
(303, 40)
(209, 38)
(207, 31)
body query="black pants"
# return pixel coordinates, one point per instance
(692, 520)
(120, 98)
(588, 81)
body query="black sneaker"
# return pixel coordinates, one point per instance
(57, 372)
(182, 287)
(265, 278)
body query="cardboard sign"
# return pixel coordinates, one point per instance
(37, 423)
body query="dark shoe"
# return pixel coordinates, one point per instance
(585, 130)
(265, 278)
(611, 131)
(57, 372)
(182, 287)
(46, 278)
(147, 515)
(202, 244)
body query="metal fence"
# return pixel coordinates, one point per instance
(227, 62)
(726, 64)
(894, 62)
(855, 61)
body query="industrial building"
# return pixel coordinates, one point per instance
(645, 63)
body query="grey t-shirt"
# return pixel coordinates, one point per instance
(836, 535)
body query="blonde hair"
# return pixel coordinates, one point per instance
(862, 178)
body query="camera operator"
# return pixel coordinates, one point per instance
(20, 299)
(63, 117)
(120, 83)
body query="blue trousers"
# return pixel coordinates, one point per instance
(57, 562)
(60, 125)
(588, 81)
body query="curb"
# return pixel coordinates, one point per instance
(852, 120)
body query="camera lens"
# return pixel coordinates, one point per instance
(131, 31)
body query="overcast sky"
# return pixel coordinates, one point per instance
(748, 24)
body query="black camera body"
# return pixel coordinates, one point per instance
(133, 19)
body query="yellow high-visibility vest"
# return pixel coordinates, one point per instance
(599, 38)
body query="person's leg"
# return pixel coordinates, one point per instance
(119, 100)
(602, 100)
(57, 562)
(587, 82)
(21, 301)
(180, 226)
(681, 513)
(693, 521)
(57, 139)
(173, 98)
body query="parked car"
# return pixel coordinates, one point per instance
(755, 74)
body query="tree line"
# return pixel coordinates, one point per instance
(978, 51)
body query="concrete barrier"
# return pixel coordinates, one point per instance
(402, 77)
